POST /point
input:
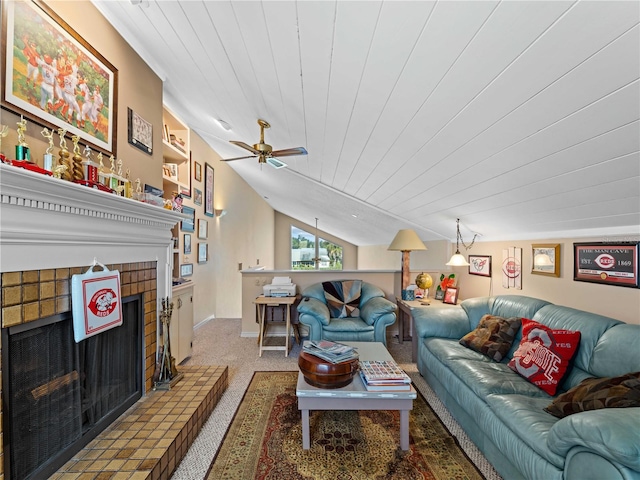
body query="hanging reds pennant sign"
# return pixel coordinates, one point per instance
(96, 302)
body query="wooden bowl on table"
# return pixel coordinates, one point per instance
(322, 374)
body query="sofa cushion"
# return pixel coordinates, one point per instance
(347, 324)
(544, 354)
(597, 393)
(343, 297)
(525, 417)
(477, 372)
(493, 336)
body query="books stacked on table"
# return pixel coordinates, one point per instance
(330, 351)
(381, 375)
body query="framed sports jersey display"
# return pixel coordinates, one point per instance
(55, 78)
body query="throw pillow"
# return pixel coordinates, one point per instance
(544, 354)
(493, 336)
(596, 393)
(343, 298)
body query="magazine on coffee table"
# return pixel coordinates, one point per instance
(330, 351)
(385, 372)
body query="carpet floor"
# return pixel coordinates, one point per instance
(264, 441)
(218, 342)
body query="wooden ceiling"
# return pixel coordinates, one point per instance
(520, 118)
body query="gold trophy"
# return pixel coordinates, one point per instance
(4, 131)
(47, 162)
(76, 162)
(64, 157)
(22, 149)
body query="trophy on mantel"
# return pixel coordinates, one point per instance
(22, 149)
(4, 131)
(76, 162)
(47, 158)
(64, 156)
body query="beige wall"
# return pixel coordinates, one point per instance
(283, 244)
(617, 302)
(243, 235)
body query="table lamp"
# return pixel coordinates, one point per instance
(405, 241)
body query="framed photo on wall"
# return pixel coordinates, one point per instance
(545, 259)
(188, 225)
(187, 243)
(203, 252)
(197, 196)
(140, 132)
(197, 171)
(480, 265)
(186, 269)
(202, 229)
(450, 295)
(607, 262)
(40, 45)
(208, 190)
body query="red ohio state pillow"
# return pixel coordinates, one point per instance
(544, 354)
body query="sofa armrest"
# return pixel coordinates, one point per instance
(375, 308)
(313, 310)
(440, 322)
(613, 433)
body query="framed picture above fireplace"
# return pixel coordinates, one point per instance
(41, 46)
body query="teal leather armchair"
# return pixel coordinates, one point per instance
(376, 314)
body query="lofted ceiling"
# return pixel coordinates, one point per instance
(520, 118)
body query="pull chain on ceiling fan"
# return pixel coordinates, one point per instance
(264, 152)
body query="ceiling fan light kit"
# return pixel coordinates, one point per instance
(264, 152)
(457, 259)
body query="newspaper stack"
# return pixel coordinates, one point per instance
(330, 351)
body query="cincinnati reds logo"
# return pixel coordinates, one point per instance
(103, 302)
(511, 267)
(605, 261)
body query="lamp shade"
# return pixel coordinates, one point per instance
(457, 260)
(406, 241)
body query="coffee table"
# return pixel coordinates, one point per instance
(355, 396)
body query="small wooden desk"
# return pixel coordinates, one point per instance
(262, 302)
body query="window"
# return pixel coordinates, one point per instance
(306, 248)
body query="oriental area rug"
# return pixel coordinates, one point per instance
(264, 441)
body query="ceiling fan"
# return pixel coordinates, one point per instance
(264, 152)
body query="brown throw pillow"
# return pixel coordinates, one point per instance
(493, 336)
(596, 393)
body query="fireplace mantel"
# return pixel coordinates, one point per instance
(46, 223)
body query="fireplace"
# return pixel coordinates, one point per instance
(50, 230)
(61, 394)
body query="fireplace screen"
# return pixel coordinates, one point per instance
(61, 394)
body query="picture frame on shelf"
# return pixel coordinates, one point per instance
(31, 22)
(609, 263)
(188, 225)
(545, 259)
(197, 171)
(140, 132)
(450, 295)
(185, 190)
(197, 196)
(186, 269)
(439, 294)
(203, 252)
(170, 170)
(208, 190)
(187, 243)
(480, 265)
(202, 229)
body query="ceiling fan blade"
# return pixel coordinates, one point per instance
(237, 158)
(245, 146)
(288, 152)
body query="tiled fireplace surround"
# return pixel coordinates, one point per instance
(51, 230)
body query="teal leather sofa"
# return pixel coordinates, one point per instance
(376, 314)
(503, 413)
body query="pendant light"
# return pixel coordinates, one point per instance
(457, 259)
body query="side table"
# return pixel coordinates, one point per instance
(405, 308)
(262, 302)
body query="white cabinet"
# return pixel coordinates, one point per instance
(181, 328)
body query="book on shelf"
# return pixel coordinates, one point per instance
(385, 387)
(330, 351)
(383, 372)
